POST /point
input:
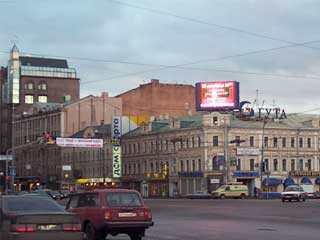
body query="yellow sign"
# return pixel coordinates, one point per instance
(116, 161)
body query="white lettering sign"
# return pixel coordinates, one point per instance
(248, 151)
(80, 142)
(116, 127)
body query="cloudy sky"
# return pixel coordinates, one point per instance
(115, 45)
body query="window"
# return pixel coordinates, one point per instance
(181, 166)
(301, 142)
(251, 141)
(275, 165)
(199, 142)
(292, 142)
(215, 141)
(42, 86)
(174, 166)
(200, 167)
(151, 168)
(28, 86)
(237, 141)
(309, 142)
(275, 142)
(251, 164)
(215, 163)
(293, 165)
(193, 166)
(266, 141)
(309, 165)
(238, 164)
(284, 142)
(123, 199)
(188, 166)
(301, 165)
(28, 99)
(42, 99)
(266, 164)
(284, 165)
(215, 120)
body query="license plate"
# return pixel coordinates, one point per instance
(129, 214)
(48, 227)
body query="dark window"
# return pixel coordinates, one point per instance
(309, 165)
(239, 164)
(193, 165)
(199, 142)
(309, 142)
(215, 120)
(251, 141)
(238, 140)
(116, 199)
(188, 166)
(251, 164)
(301, 165)
(200, 167)
(284, 142)
(151, 168)
(284, 165)
(275, 142)
(293, 165)
(181, 166)
(215, 164)
(32, 204)
(74, 202)
(266, 141)
(292, 142)
(266, 164)
(215, 141)
(275, 165)
(301, 142)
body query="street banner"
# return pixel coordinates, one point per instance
(80, 142)
(248, 151)
(116, 161)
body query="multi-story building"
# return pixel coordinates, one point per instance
(159, 100)
(182, 155)
(35, 159)
(32, 80)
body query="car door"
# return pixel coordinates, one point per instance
(77, 205)
(93, 212)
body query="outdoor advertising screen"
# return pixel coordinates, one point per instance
(211, 96)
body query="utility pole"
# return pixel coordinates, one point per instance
(262, 152)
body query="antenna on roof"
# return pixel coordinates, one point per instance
(256, 100)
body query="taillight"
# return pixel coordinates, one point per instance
(23, 228)
(71, 227)
(107, 215)
(147, 213)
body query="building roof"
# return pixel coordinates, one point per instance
(100, 131)
(43, 62)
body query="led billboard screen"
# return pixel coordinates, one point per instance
(212, 96)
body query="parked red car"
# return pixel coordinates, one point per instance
(111, 211)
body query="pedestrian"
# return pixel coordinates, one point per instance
(255, 191)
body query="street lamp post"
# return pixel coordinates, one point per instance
(262, 155)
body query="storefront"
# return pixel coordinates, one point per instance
(91, 183)
(247, 178)
(306, 178)
(157, 185)
(272, 184)
(190, 182)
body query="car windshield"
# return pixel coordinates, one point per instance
(221, 188)
(32, 204)
(115, 199)
(294, 189)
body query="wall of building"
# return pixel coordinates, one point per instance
(158, 99)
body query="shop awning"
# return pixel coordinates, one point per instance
(288, 182)
(317, 181)
(306, 181)
(271, 181)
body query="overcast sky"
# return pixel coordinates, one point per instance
(146, 33)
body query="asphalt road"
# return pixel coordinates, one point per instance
(233, 220)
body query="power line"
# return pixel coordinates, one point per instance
(203, 61)
(160, 12)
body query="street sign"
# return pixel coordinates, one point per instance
(66, 167)
(6, 157)
(12, 171)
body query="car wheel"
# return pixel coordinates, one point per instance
(136, 236)
(289, 200)
(90, 232)
(283, 199)
(242, 196)
(298, 199)
(222, 196)
(304, 199)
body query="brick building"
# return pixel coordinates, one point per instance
(159, 100)
(33, 80)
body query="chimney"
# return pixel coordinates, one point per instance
(155, 81)
(104, 94)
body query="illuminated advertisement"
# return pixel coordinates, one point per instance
(116, 161)
(211, 96)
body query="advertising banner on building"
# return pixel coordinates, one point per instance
(212, 96)
(80, 142)
(248, 151)
(124, 124)
(116, 161)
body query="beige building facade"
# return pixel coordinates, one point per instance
(183, 155)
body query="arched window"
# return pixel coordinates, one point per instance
(29, 86)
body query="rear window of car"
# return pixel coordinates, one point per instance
(294, 189)
(32, 204)
(123, 199)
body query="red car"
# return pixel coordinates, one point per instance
(111, 211)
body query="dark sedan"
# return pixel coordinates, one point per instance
(34, 217)
(199, 195)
